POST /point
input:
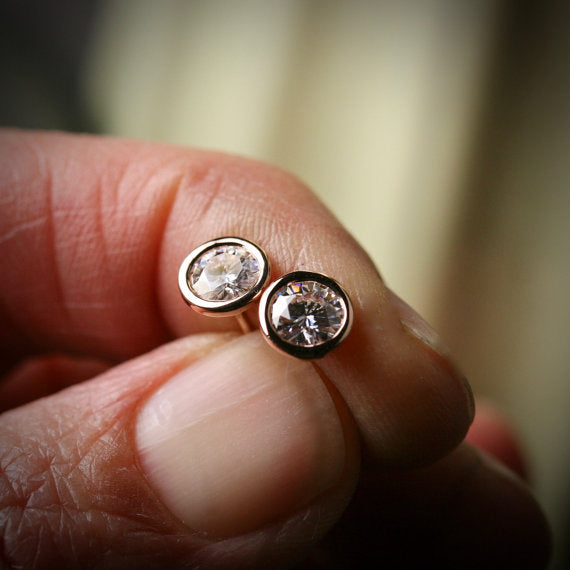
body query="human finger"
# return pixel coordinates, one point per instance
(94, 231)
(211, 451)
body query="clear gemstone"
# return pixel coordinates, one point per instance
(223, 273)
(306, 313)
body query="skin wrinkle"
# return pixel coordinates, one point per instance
(100, 226)
(109, 205)
(41, 166)
(244, 398)
(172, 195)
(213, 183)
(61, 502)
(42, 169)
(52, 237)
(91, 444)
(287, 201)
(62, 458)
(23, 226)
(106, 519)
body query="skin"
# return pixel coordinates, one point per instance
(92, 232)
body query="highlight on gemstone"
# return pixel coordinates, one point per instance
(305, 314)
(223, 275)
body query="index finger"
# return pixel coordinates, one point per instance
(93, 232)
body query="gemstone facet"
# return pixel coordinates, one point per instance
(223, 273)
(306, 313)
(223, 276)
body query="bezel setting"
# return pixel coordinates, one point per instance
(228, 307)
(332, 293)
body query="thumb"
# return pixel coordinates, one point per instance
(212, 450)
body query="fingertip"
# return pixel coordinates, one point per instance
(410, 401)
(241, 439)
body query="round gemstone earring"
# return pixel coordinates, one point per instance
(222, 277)
(305, 314)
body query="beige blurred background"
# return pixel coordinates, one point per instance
(438, 132)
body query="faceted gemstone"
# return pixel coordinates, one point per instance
(223, 273)
(306, 313)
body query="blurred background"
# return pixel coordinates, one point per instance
(438, 131)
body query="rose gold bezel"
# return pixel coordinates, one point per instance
(298, 351)
(232, 306)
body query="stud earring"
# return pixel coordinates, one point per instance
(305, 314)
(223, 276)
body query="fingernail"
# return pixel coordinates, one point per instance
(416, 326)
(240, 438)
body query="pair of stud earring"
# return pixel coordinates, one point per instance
(304, 314)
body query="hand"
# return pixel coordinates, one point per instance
(175, 441)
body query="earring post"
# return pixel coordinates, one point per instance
(243, 324)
